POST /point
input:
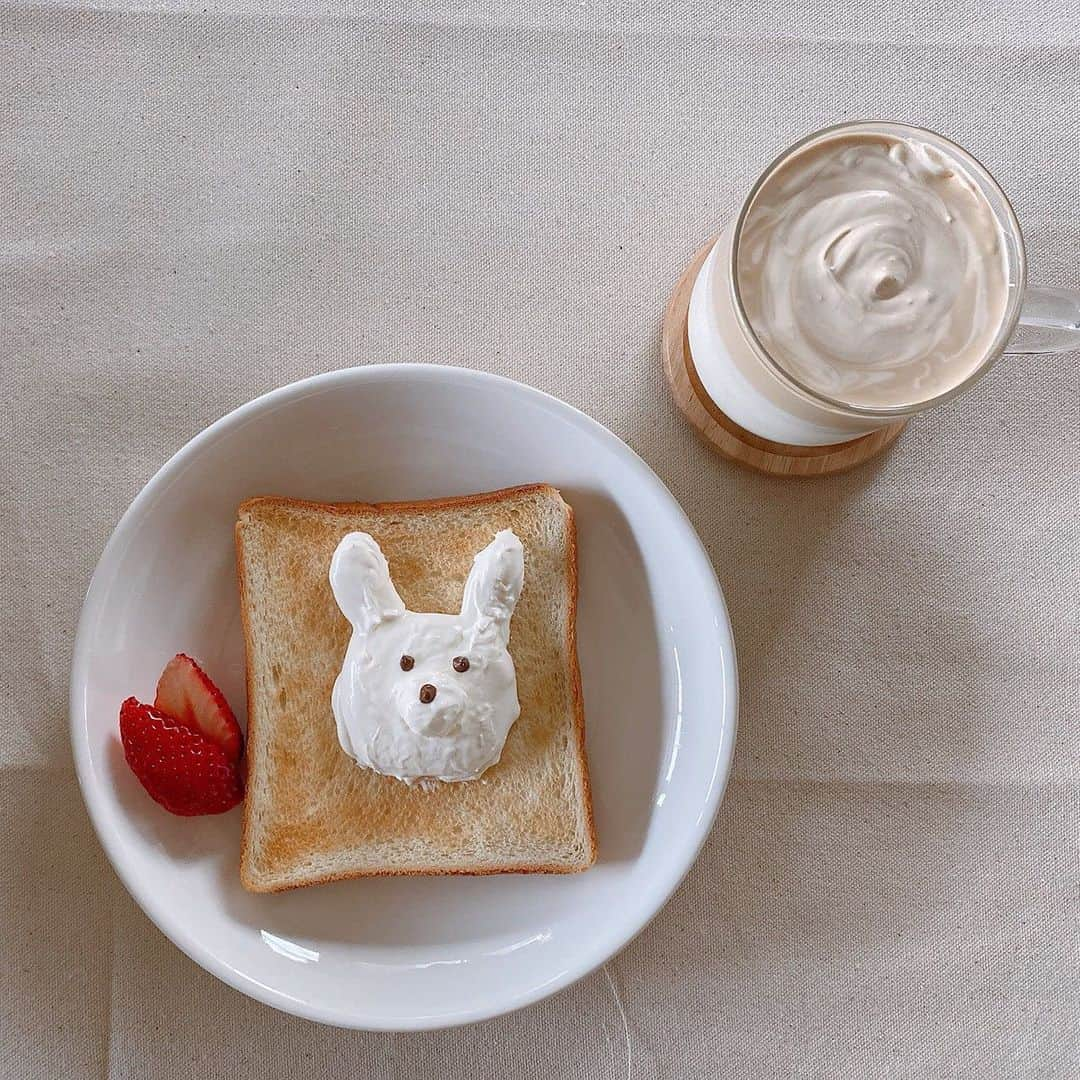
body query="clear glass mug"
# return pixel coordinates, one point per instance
(752, 389)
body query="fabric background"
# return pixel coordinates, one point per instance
(202, 201)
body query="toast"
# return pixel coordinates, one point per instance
(311, 813)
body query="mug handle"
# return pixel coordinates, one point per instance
(1049, 321)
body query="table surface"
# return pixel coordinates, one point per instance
(205, 200)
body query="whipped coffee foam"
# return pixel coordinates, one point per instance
(874, 270)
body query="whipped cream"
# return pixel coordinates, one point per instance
(426, 695)
(873, 269)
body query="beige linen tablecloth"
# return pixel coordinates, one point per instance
(205, 200)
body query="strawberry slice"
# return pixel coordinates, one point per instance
(186, 693)
(180, 767)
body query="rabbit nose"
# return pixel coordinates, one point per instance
(427, 693)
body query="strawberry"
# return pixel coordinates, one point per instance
(181, 768)
(186, 693)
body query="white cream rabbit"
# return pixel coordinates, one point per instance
(426, 695)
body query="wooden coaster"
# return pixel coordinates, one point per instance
(727, 437)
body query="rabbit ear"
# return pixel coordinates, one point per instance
(494, 585)
(361, 582)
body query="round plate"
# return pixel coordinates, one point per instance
(657, 665)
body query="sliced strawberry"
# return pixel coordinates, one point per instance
(186, 693)
(180, 768)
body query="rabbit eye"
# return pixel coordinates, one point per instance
(407, 663)
(460, 663)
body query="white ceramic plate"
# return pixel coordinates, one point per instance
(658, 673)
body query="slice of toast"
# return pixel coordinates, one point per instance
(311, 813)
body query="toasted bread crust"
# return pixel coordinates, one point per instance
(419, 507)
(245, 623)
(575, 674)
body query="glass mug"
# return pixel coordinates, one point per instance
(766, 399)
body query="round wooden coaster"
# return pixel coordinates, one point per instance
(727, 437)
